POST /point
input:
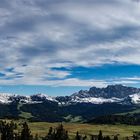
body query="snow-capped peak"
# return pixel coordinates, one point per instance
(41, 97)
(135, 98)
(6, 98)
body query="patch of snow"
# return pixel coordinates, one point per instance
(95, 100)
(46, 97)
(135, 98)
(5, 98)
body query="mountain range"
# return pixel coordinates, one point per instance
(80, 106)
(111, 94)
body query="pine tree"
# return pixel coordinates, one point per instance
(100, 136)
(50, 131)
(7, 131)
(61, 133)
(106, 138)
(85, 137)
(78, 137)
(26, 133)
(10, 132)
(115, 137)
(50, 135)
(36, 137)
(92, 138)
(57, 134)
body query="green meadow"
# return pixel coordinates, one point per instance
(41, 128)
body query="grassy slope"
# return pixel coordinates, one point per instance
(130, 112)
(41, 128)
(22, 114)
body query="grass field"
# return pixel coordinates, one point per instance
(41, 128)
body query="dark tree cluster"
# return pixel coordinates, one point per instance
(136, 136)
(57, 134)
(61, 134)
(8, 131)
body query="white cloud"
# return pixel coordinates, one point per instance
(46, 34)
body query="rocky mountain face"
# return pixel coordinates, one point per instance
(117, 91)
(111, 94)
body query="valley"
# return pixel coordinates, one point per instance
(97, 103)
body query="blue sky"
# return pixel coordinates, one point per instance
(59, 47)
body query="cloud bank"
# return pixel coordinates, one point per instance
(38, 36)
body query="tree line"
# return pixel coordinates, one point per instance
(10, 131)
